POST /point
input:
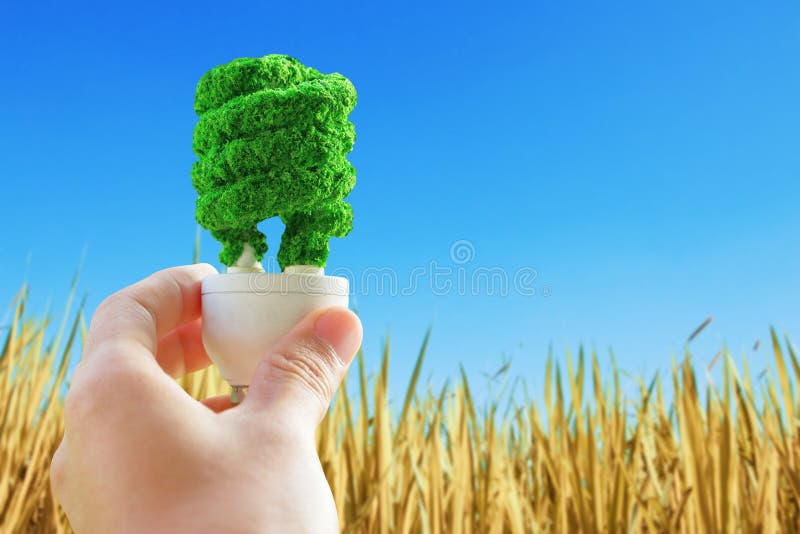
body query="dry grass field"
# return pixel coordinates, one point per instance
(721, 459)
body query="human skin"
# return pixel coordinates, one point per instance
(140, 455)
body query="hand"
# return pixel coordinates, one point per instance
(140, 455)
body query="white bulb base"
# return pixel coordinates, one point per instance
(246, 313)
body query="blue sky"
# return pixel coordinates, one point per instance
(643, 158)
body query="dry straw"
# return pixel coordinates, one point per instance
(717, 460)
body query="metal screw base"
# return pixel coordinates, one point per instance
(238, 393)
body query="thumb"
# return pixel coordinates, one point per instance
(297, 378)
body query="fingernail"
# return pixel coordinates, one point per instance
(341, 329)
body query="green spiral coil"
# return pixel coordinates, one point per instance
(272, 141)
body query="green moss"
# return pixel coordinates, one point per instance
(272, 141)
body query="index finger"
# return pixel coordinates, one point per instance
(140, 314)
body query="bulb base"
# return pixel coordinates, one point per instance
(245, 314)
(238, 393)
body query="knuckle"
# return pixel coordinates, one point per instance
(104, 309)
(107, 303)
(82, 400)
(313, 364)
(93, 390)
(143, 299)
(106, 315)
(112, 304)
